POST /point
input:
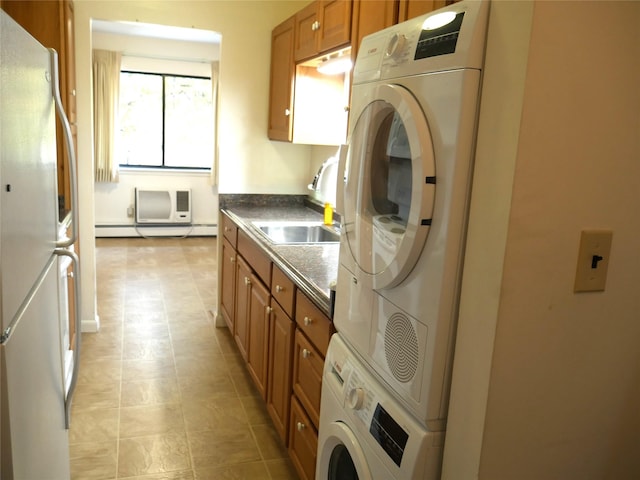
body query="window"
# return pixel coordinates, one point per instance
(166, 121)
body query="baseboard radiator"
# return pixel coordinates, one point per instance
(163, 207)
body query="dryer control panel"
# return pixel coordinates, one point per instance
(445, 39)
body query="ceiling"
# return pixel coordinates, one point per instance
(156, 31)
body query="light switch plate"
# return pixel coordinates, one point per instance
(593, 260)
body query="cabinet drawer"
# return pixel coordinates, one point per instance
(283, 289)
(307, 376)
(303, 442)
(229, 229)
(255, 256)
(313, 322)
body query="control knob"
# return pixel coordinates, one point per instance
(396, 46)
(356, 398)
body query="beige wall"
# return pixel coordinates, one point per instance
(249, 162)
(562, 386)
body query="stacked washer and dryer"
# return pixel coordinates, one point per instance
(407, 180)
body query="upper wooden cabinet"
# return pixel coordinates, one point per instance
(322, 26)
(300, 98)
(414, 8)
(51, 22)
(370, 16)
(281, 82)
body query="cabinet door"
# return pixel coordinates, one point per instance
(370, 16)
(228, 287)
(334, 29)
(280, 350)
(281, 82)
(243, 290)
(258, 347)
(305, 32)
(414, 8)
(303, 442)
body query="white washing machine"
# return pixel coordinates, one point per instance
(407, 176)
(364, 432)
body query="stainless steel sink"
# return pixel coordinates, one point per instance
(290, 232)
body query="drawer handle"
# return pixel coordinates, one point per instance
(308, 321)
(279, 289)
(247, 281)
(306, 353)
(300, 426)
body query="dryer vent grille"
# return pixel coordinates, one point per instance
(401, 347)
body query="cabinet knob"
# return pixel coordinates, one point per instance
(279, 289)
(269, 310)
(70, 275)
(247, 281)
(306, 353)
(287, 112)
(300, 426)
(232, 259)
(308, 321)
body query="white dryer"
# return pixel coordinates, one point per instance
(364, 432)
(407, 177)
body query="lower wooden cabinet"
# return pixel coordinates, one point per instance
(307, 376)
(283, 337)
(303, 442)
(228, 284)
(280, 351)
(258, 345)
(243, 290)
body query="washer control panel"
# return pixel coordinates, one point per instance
(364, 405)
(368, 407)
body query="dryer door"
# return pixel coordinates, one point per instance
(389, 188)
(340, 457)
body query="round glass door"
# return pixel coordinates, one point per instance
(389, 186)
(341, 466)
(340, 456)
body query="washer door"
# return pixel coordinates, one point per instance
(340, 456)
(389, 188)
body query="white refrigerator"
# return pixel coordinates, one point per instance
(35, 395)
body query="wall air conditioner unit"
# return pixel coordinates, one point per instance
(163, 207)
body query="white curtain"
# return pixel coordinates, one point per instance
(106, 93)
(215, 75)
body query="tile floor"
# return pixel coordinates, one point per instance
(162, 393)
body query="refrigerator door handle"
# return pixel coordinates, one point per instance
(76, 346)
(73, 173)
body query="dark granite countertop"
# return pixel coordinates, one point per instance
(312, 267)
